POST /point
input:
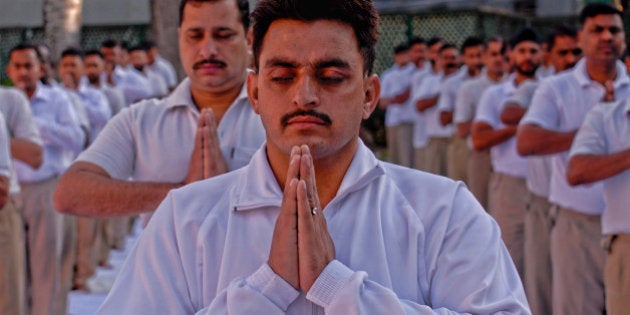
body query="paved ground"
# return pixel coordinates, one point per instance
(81, 303)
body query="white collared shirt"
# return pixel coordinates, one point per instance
(152, 141)
(431, 86)
(395, 81)
(407, 242)
(504, 157)
(560, 104)
(60, 131)
(166, 70)
(606, 130)
(135, 86)
(468, 97)
(450, 87)
(96, 106)
(420, 137)
(5, 150)
(20, 123)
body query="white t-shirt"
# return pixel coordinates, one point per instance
(504, 157)
(152, 141)
(561, 104)
(420, 137)
(20, 123)
(406, 242)
(395, 81)
(606, 130)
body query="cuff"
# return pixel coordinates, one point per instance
(332, 279)
(273, 287)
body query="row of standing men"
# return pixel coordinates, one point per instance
(505, 123)
(48, 123)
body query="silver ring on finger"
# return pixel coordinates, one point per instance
(314, 211)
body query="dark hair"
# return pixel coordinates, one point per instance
(361, 15)
(471, 42)
(416, 40)
(93, 52)
(243, 8)
(400, 48)
(595, 9)
(524, 35)
(560, 31)
(148, 44)
(434, 40)
(137, 47)
(496, 39)
(124, 45)
(110, 43)
(72, 51)
(27, 46)
(447, 46)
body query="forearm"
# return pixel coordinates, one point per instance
(86, 193)
(463, 129)
(426, 103)
(485, 138)
(534, 140)
(27, 152)
(446, 117)
(512, 114)
(589, 168)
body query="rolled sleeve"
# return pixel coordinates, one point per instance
(590, 138)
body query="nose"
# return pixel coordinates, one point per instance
(208, 48)
(305, 93)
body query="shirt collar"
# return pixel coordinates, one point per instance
(181, 96)
(41, 92)
(258, 188)
(584, 80)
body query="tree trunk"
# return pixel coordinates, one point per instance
(164, 24)
(62, 24)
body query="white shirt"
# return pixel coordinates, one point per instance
(134, 86)
(561, 104)
(165, 69)
(396, 80)
(538, 167)
(431, 87)
(606, 130)
(450, 87)
(115, 97)
(420, 136)
(157, 83)
(468, 97)
(20, 123)
(96, 106)
(407, 242)
(504, 157)
(5, 150)
(60, 130)
(152, 141)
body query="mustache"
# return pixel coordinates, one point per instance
(284, 121)
(201, 63)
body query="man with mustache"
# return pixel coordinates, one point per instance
(508, 192)
(315, 223)
(206, 127)
(558, 109)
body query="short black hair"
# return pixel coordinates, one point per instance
(137, 47)
(73, 51)
(27, 46)
(496, 39)
(595, 9)
(243, 8)
(434, 40)
(148, 44)
(563, 30)
(401, 48)
(361, 15)
(447, 46)
(471, 41)
(110, 43)
(524, 35)
(416, 40)
(93, 52)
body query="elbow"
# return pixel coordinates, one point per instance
(37, 158)
(575, 175)
(63, 196)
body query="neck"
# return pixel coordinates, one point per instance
(329, 170)
(218, 102)
(495, 76)
(473, 72)
(520, 78)
(601, 72)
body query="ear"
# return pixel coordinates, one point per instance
(252, 90)
(372, 89)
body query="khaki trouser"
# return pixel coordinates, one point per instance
(400, 144)
(617, 275)
(508, 206)
(537, 282)
(479, 171)
(12, 261)
(103, 241)
(68, 260)
(418, 159)
(43, 243)
(435, 156)
(457, 159)
(86, 251)
(577, 264)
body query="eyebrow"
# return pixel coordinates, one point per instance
(322, 64)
